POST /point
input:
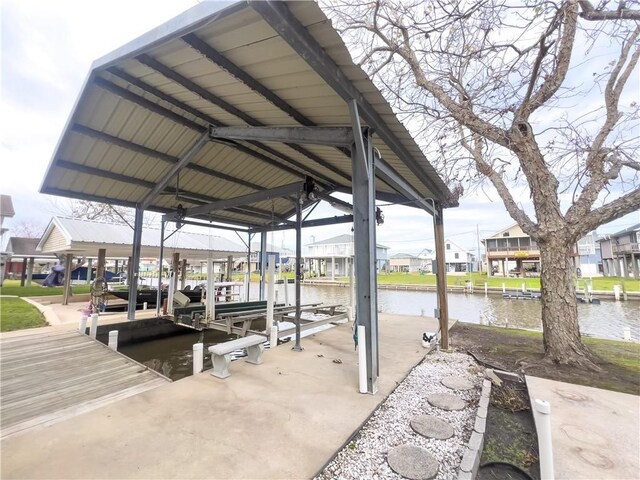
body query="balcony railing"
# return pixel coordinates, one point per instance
(626, 248)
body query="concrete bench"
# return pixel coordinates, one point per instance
(221, 353)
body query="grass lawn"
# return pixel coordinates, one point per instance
(12, 287)
(16, 314)
(520, 350)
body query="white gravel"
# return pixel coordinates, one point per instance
(366, 455)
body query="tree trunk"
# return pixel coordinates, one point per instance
(561, 333)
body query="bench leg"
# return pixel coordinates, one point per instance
(254, 354)
(220, 365)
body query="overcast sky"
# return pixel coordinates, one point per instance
(47, 50)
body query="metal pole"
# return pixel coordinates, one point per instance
(30, 271)
(297, 346)
(135, 264)
(23, 277)
(89, 268)
(441, 278)
(363, 185)
(159, 293)
(247, 288)
(263, 263)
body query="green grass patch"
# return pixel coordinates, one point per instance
(17, 314)
(12, 287)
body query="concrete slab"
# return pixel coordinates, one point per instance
(282, 419)
(595, 433)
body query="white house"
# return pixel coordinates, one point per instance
(331, 257)
(458, 259)
(404, 262)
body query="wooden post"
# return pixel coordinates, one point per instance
(183, 274)
(441, 278)
(176, 269)
(23, 274)
(68, 260)
(102, 260)
(30, 271)
(89, 267)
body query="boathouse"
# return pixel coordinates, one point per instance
(244, 116)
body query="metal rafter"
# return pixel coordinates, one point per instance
(332, 136)
(242, 200)
(280, 18)
(318, 222)
(214, 99)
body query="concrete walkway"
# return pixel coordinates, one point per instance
(282, 419)
(595, 433)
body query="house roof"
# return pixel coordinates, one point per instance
(404, 255)
(458, 247)
(340, 239)
(149, 104)
(23, 246)
(84, 238)
(6, 206)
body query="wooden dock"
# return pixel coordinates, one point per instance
(47, 377)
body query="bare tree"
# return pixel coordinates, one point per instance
(27, 229)
(104, 212)
(518, 93)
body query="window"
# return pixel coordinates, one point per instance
(448, 246)
(456, 256)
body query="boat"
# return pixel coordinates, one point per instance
(150, 295)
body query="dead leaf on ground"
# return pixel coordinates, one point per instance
(337, 360)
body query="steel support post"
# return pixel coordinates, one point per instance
(297, 347)
(90, 267)
(441, 277)
(135, 264)
(263, 264)
(68, 260)
(248, 282)
(159, 293)
(23, 276)
(364, 219)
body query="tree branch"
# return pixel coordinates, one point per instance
(607, 213)
(622, 13)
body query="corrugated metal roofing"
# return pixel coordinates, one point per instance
(84, 238)
(145, 105)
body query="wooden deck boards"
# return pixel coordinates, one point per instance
(47, 377)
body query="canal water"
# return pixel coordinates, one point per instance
(173, 356)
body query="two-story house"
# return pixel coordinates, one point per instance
(331, 257)
(620, 253)
(511, 251)
(458, 259)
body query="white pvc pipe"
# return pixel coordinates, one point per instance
(198, 358)
(524, 287)
(362, 359)
(273, 337)
(627, 333)
(270, 291)
(616, 292)
(93, 331)
(486, 288)
(504, 288)
(82, 326)
(145, 305)
(545, 447)
(170, 294)
(113, 340)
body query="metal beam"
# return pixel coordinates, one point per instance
(331, 136)
(186, 159)
(400, 185)
(242, 200)
(221, 61)
(135, 264)
(280, 18)
(210, 225)
(318, 222)
(210, 97)
(364, 224)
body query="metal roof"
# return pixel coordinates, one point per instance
(147, 104)
(84, 238)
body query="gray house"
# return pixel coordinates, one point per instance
(620, 253)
